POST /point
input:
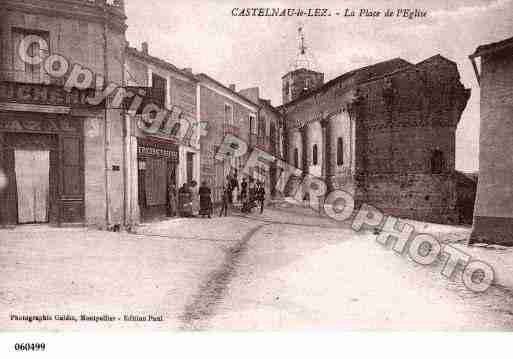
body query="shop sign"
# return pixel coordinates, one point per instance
(158, 152)
(43, 94)
(44, 125)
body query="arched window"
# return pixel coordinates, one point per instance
(340, 151)
(314, 155)
(296, 158)
(261, 126)
(437, 162)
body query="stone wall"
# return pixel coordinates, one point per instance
(418, 196)
(315, 139)
(340, 176)
(408, 120)
(295, 83)
(397, 122)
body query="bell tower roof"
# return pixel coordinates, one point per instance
(302, 77)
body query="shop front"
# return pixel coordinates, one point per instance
(157, 162)
(42, 177)
(41, 160)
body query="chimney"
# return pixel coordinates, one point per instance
(144, 48)
(232, 87)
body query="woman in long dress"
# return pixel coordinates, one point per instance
(235, 194)
(205, 200)
(171, 200)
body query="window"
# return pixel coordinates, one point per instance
(296, 158)
(261, 126)
(314, 155)
(25, 72)
(228, 114)
(159, 89)
(340, 151)
(437, 162)
(253, 124)
(272, 135)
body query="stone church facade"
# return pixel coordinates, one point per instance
(384, 133)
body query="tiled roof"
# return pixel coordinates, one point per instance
(208, 78)
(159, 62)
(378, 69)
(492, 47)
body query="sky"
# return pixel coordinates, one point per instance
(258, 51)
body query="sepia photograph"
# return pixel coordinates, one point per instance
(248, 167)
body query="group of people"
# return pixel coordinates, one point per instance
(252, 194)
(180, 202)
(248, 193)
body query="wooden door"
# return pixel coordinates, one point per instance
(72, 179)
(32, 168)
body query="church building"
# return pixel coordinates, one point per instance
(384, 133)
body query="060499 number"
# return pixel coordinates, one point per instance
(29, 346)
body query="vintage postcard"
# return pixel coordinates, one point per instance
(255, 166)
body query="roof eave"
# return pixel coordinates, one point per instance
(235, 93)
(480, 51)
(167, 65)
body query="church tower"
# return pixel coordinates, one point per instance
(302, 78)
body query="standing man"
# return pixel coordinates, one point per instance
(251, 195)
(229, 186)
(243, 190)
(260, 194)
(234, 186)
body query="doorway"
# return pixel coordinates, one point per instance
(32, 170)
(190, 167)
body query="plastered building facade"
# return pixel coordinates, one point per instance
(493, 214)
(172, 152)
(77, 148)
(225, 112)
